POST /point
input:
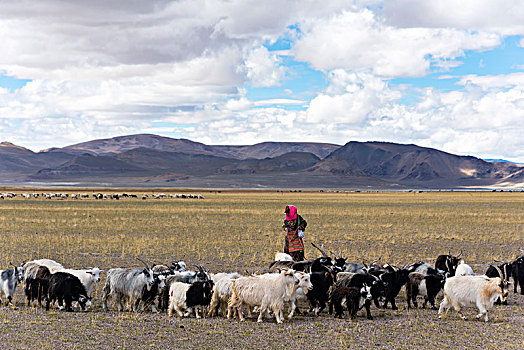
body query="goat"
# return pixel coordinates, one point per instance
(88, 278)
(424, 268)
(427, 285)
(517, 271)
(36, 283)
(265, 293)
(318, 296)
(463, 269)
(127, 284)
(377, 288)
(494, 271)
(181, 276)
(150, 294)
(185, 297)
(222, 291)
(395, 280)
(349, 297)
(482, 291)
(66, 288)
(303, 282)
(447, 263)
(8, 281)
(283, 257)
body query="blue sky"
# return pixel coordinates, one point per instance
(242, 72)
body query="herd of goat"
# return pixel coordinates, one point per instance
(323, 282)
(97, 195)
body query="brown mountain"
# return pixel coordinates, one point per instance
(263, 150)
(288, 162)
(275, 149)
(184, 163)
(89, 166)
(122, 144)
(17, 161)
(411, 164)
(150, 162)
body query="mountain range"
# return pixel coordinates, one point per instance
(156, 161)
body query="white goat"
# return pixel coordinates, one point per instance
(302, 286)
(262, 292)
(283, 257)
(222, 291)
(463, 291)
(464, 269)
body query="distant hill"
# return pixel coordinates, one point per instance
(145, 162)
(411, 164)
(289, 162)
(16, 161)
(151, 160)
(275, 149)
(122, 144)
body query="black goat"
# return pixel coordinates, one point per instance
(66, 288)
(349, 297)
(394, 281)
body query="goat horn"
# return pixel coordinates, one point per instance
(143, 262)
(323, 252)
(459, 254)
(374, 261)
(500, 273)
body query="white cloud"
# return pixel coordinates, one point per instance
(263, 69)
(350, 98)
(179, 67)
(487, 82)
(503, 17)
(361, 40)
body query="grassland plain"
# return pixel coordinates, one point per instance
(240, 231)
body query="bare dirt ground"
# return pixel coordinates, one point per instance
(240, 232)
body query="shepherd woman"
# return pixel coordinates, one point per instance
(294, 225)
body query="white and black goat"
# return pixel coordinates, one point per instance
(36, 283)
(183, 277)
(447, 263)
(351, 298)
(8, 281)
(427, 285)
(184, 297)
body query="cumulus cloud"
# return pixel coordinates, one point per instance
(350, 99)
(360, 40)
(263, 69)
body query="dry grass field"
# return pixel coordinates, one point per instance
(241, 231)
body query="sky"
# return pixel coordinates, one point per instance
(444, 74)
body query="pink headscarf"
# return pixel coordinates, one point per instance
(292, 215)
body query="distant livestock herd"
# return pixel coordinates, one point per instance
(98, 195)
(325, 281)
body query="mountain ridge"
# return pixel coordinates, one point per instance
(153, 160)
